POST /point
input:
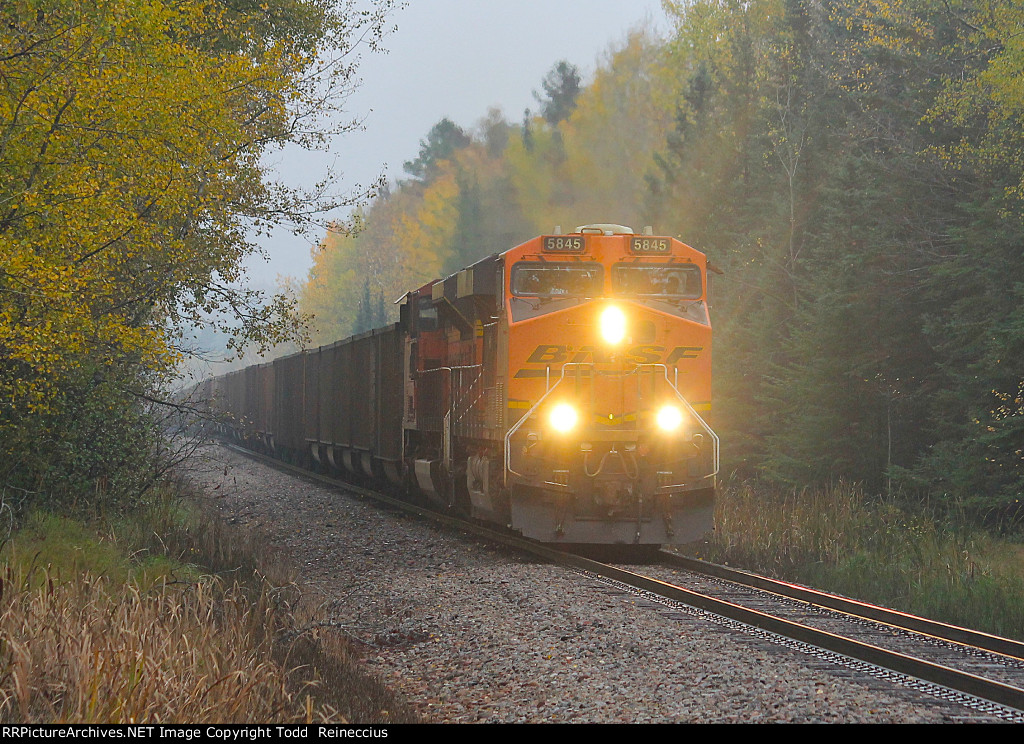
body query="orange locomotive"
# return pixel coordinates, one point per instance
(560, 388)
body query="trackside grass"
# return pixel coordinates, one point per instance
(878, 550)
(165, 617)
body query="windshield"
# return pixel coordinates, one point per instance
(536, 279)
(427, 313)
(676, 281)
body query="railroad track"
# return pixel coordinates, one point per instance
(977, 670)
(922, 654)
(882, 643)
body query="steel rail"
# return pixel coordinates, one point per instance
(866, 610)
(971, 684)
(954, 679)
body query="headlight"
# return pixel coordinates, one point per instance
(613, 324)
(563, 417)
(669, 418)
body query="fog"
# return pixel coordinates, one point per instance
(454, 58)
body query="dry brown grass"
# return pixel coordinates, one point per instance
(83, 651)
(137, 627)
(321, 655)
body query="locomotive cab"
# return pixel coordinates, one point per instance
(609, 372)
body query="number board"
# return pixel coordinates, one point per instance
(563, 243)
(650, 246)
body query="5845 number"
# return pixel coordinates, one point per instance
(563, 244)
(648, 246)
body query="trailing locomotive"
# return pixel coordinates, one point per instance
(560, 388)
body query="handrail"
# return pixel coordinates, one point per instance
(515, 427)
(714, 437)
(446, 420)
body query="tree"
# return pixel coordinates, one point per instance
(960, 64)
(330, 293)
(605, 162)
(443, 139)
(796, 155)
(561, 89)
(131, 148)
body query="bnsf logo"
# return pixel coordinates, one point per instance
(560, 354)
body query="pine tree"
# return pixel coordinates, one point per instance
(441, 142)
(561, 89)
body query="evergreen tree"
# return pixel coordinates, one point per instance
(467, 243)
(380, 311)
(527, 130)
(364, 311)
(561, 89)
(442, 141)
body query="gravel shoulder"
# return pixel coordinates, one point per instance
(469, 632)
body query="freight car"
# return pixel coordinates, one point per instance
(561, 388)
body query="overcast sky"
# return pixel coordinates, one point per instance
(453, 58)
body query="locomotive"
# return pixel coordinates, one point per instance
(561, 389)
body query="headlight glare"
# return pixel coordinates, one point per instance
(613, 324)
(563, 418)
(669, 418)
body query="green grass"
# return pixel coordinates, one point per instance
(61, 547)
(878, 550)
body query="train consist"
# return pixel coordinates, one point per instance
(560, 388)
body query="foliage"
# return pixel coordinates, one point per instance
(401, 244)
(93, 633)
(825, 154)
(855, 168)
(604, 162)
(443, 139)
(114, 621)
(131, 148)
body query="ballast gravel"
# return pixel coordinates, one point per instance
(469, 632)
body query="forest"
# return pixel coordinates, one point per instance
(854, 167)
(856, 170)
